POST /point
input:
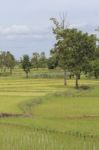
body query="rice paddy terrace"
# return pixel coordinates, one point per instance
(42, 114)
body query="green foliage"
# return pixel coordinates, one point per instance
(52, 62)
(35, 60)
(39, 60)
(95, 68)
(7, 61)
(26, 64)
(74, 48)
(42, 60)
(95, 64)
(10, 61)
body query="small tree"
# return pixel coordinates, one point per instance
(35, 60)
(10, 61)
(3, 61)
(26, 64)
(7, 60)
(42, 60)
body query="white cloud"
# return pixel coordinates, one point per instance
(14, 30)
(22, 31)
(78, 25)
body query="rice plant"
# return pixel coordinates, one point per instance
(23, 138)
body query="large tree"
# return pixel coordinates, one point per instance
(74, 48)
(83, 48)
(59, 27)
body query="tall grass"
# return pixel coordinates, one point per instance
(19, 138)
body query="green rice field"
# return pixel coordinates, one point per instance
(42, 114)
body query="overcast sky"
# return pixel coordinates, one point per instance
(25, 25)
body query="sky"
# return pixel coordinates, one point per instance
(25, 25)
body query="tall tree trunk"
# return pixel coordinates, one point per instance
(77, 84)
(65, 78)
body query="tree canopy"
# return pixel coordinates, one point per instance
(74, 48)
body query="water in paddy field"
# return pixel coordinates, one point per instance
(16, 138)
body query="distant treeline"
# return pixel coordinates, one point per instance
(36, 61)
(75, 52)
